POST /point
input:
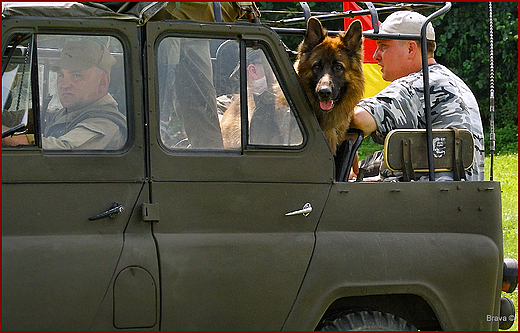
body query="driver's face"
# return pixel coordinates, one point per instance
(79, 88)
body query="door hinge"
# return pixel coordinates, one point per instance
(150, 212)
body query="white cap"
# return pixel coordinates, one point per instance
(402, 23)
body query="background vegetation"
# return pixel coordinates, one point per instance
(463, 38)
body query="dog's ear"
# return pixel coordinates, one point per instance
(314, 35)
(353, 38)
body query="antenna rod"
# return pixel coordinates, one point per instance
(491, 91)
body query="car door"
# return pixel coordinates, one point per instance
(71, 217)
(237, 204)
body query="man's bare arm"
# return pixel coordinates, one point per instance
(364, 121)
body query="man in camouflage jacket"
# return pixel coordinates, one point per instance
(401, 104)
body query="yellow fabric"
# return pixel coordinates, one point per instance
(374, 82)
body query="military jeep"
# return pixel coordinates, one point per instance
(166, 232)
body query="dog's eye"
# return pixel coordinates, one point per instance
(338, 67)
(316, 67)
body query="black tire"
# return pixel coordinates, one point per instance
(366, 321)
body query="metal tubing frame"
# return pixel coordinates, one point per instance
(426, 80)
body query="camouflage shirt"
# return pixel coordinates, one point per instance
(401, 105)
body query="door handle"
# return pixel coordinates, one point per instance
(111, 212)
(305, 211)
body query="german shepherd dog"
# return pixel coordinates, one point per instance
(330, 69)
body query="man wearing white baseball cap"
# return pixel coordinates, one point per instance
(401, 104)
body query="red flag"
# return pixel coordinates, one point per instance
(369, 45)
(373, 77)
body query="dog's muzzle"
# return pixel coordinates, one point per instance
(324, 96)
(324, 90)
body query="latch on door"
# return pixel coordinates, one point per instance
(305, 211)
(114, 210)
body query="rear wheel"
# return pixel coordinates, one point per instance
(366, 321)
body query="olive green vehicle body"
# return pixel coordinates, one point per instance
(204, 242)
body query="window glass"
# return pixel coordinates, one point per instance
(82, 92)
(194, 80)
(17, 117)
(271, 120)
(199, 97)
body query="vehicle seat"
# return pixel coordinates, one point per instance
(346, 153)
(406, 151)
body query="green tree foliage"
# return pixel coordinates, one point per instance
(463, 46)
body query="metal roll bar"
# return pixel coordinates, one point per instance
(426, 80)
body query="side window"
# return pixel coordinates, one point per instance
(271, 120)
(81, 92)
(17, 115)
(199, 97)
(81, 89)
(189, 116)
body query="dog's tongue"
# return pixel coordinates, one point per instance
(326, 105)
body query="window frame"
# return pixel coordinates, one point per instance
(243, 44)
(31, 40)
(269, 56)
(35, 90)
